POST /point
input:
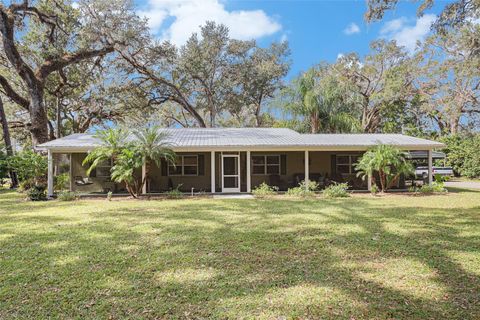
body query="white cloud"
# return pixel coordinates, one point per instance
(176, 20)
(393, 25)
(352, 28)
(407, 34)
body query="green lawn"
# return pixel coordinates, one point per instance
(395, 257)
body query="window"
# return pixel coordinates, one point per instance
(346, 164)
(186, 165)
(266, 164)
(103, 169)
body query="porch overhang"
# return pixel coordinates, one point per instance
(248, 140)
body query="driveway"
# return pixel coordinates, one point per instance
(463, 184)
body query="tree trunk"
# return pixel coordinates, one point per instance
(258, 116)
(382, 180)
(59, 118)
(38, 117)
(8, 141)
(370, 120)
(454, 125)
(315, 127)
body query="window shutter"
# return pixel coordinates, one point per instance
(283, 164)
(164, 166)
(201, 165)
(333, 163)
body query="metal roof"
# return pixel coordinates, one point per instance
(254, 139)
(366, 139)
(424, 155)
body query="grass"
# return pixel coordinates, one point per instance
(465, 179)
(364, 257)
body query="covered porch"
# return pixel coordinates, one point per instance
(225, 171)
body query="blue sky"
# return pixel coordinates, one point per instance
(316, 30)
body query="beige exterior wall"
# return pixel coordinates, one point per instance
(320, 165)
(98, 184)
(160, 181)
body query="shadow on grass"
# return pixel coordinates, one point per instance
(238, 258)
(462, 190)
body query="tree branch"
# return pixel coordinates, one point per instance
(57, 64)
(7, 24)
(12, 94)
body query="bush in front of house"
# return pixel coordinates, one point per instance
(435, 187)
(37, 193)
(303, 190)
(175, 193)
(264, 190)
(67, 196)
(374, 190)
(336, 190)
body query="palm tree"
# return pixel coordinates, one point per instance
(388, 161)
(152, 146)
(112, 141)
(319, 97)
(124, 171)
(130, 151)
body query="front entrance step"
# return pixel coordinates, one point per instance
(233, 196)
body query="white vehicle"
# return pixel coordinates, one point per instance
(422, 172)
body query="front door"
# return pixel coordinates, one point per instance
(230, 173)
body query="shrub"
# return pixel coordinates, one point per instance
(264, 190)
(37, 193)
(374, 189)
(5, 183)
(3, 166)
(62, 181)
(436, 187)
(336, 190)
(304, 189)
(175, 193)
(25, 185)
(462, 154)
(29, 166)
(109, 195)
(67, 196)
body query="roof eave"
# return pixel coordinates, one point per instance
(81, 149)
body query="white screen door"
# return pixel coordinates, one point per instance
(230, 173)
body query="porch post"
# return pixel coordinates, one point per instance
(430, 167)
(71, 172)
(249, 178)
(144, 187)
(307, 173)
(50, 174)
(212, 171)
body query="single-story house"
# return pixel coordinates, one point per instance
(231, 160)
